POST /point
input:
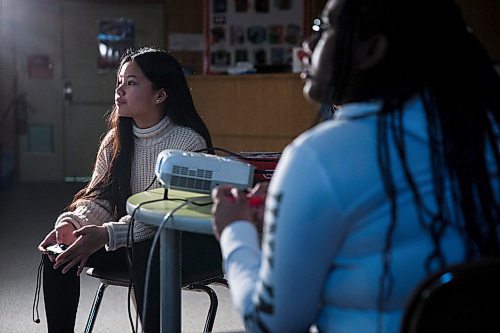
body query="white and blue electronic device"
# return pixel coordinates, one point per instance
(200, 172)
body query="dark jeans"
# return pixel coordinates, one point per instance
(200, 259)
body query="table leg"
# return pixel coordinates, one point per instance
(170, 281)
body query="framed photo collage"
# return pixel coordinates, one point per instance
(259, 32)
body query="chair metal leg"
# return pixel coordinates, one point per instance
(212, 311)
(95, 308)
(214, 303)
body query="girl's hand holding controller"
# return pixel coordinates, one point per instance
(61, 234)
(64, 233)
(56, 249)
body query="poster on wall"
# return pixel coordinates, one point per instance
(115, 37)
(257, 32)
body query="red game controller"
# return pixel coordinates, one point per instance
(252, 201)
(256, 201)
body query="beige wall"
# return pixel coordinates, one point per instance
(252, 112)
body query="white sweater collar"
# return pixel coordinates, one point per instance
(146, 133)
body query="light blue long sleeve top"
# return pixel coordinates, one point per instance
(326, 221)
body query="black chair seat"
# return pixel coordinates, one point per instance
(110, 277)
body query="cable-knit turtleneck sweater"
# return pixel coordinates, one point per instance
(149, 142)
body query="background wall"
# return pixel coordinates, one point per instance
(483, 16)
(254, 112)
(187, 17)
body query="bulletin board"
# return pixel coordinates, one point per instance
(261, 32)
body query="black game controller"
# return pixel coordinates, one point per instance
(56, 249)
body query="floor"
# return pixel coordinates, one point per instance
(27, 213)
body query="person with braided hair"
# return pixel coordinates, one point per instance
(404, 179)
(153, 111)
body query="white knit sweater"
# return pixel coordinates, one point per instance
(149, 143)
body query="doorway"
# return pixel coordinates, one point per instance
(88, 82)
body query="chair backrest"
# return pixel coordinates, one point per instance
(460, 298)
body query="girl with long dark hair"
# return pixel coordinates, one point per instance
(403, 181)
(153, 111)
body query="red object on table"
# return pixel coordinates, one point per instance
(264, 163)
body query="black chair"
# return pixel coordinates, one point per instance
(202, 266)
(462, 298)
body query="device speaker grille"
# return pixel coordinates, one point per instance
(185, 171)
(190, 183)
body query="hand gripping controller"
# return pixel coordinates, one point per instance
(56, 249)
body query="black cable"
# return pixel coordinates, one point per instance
(37, 292)
(151, 184)
(150, 259)
(130, 233)
(130, 244)
(129, 294)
